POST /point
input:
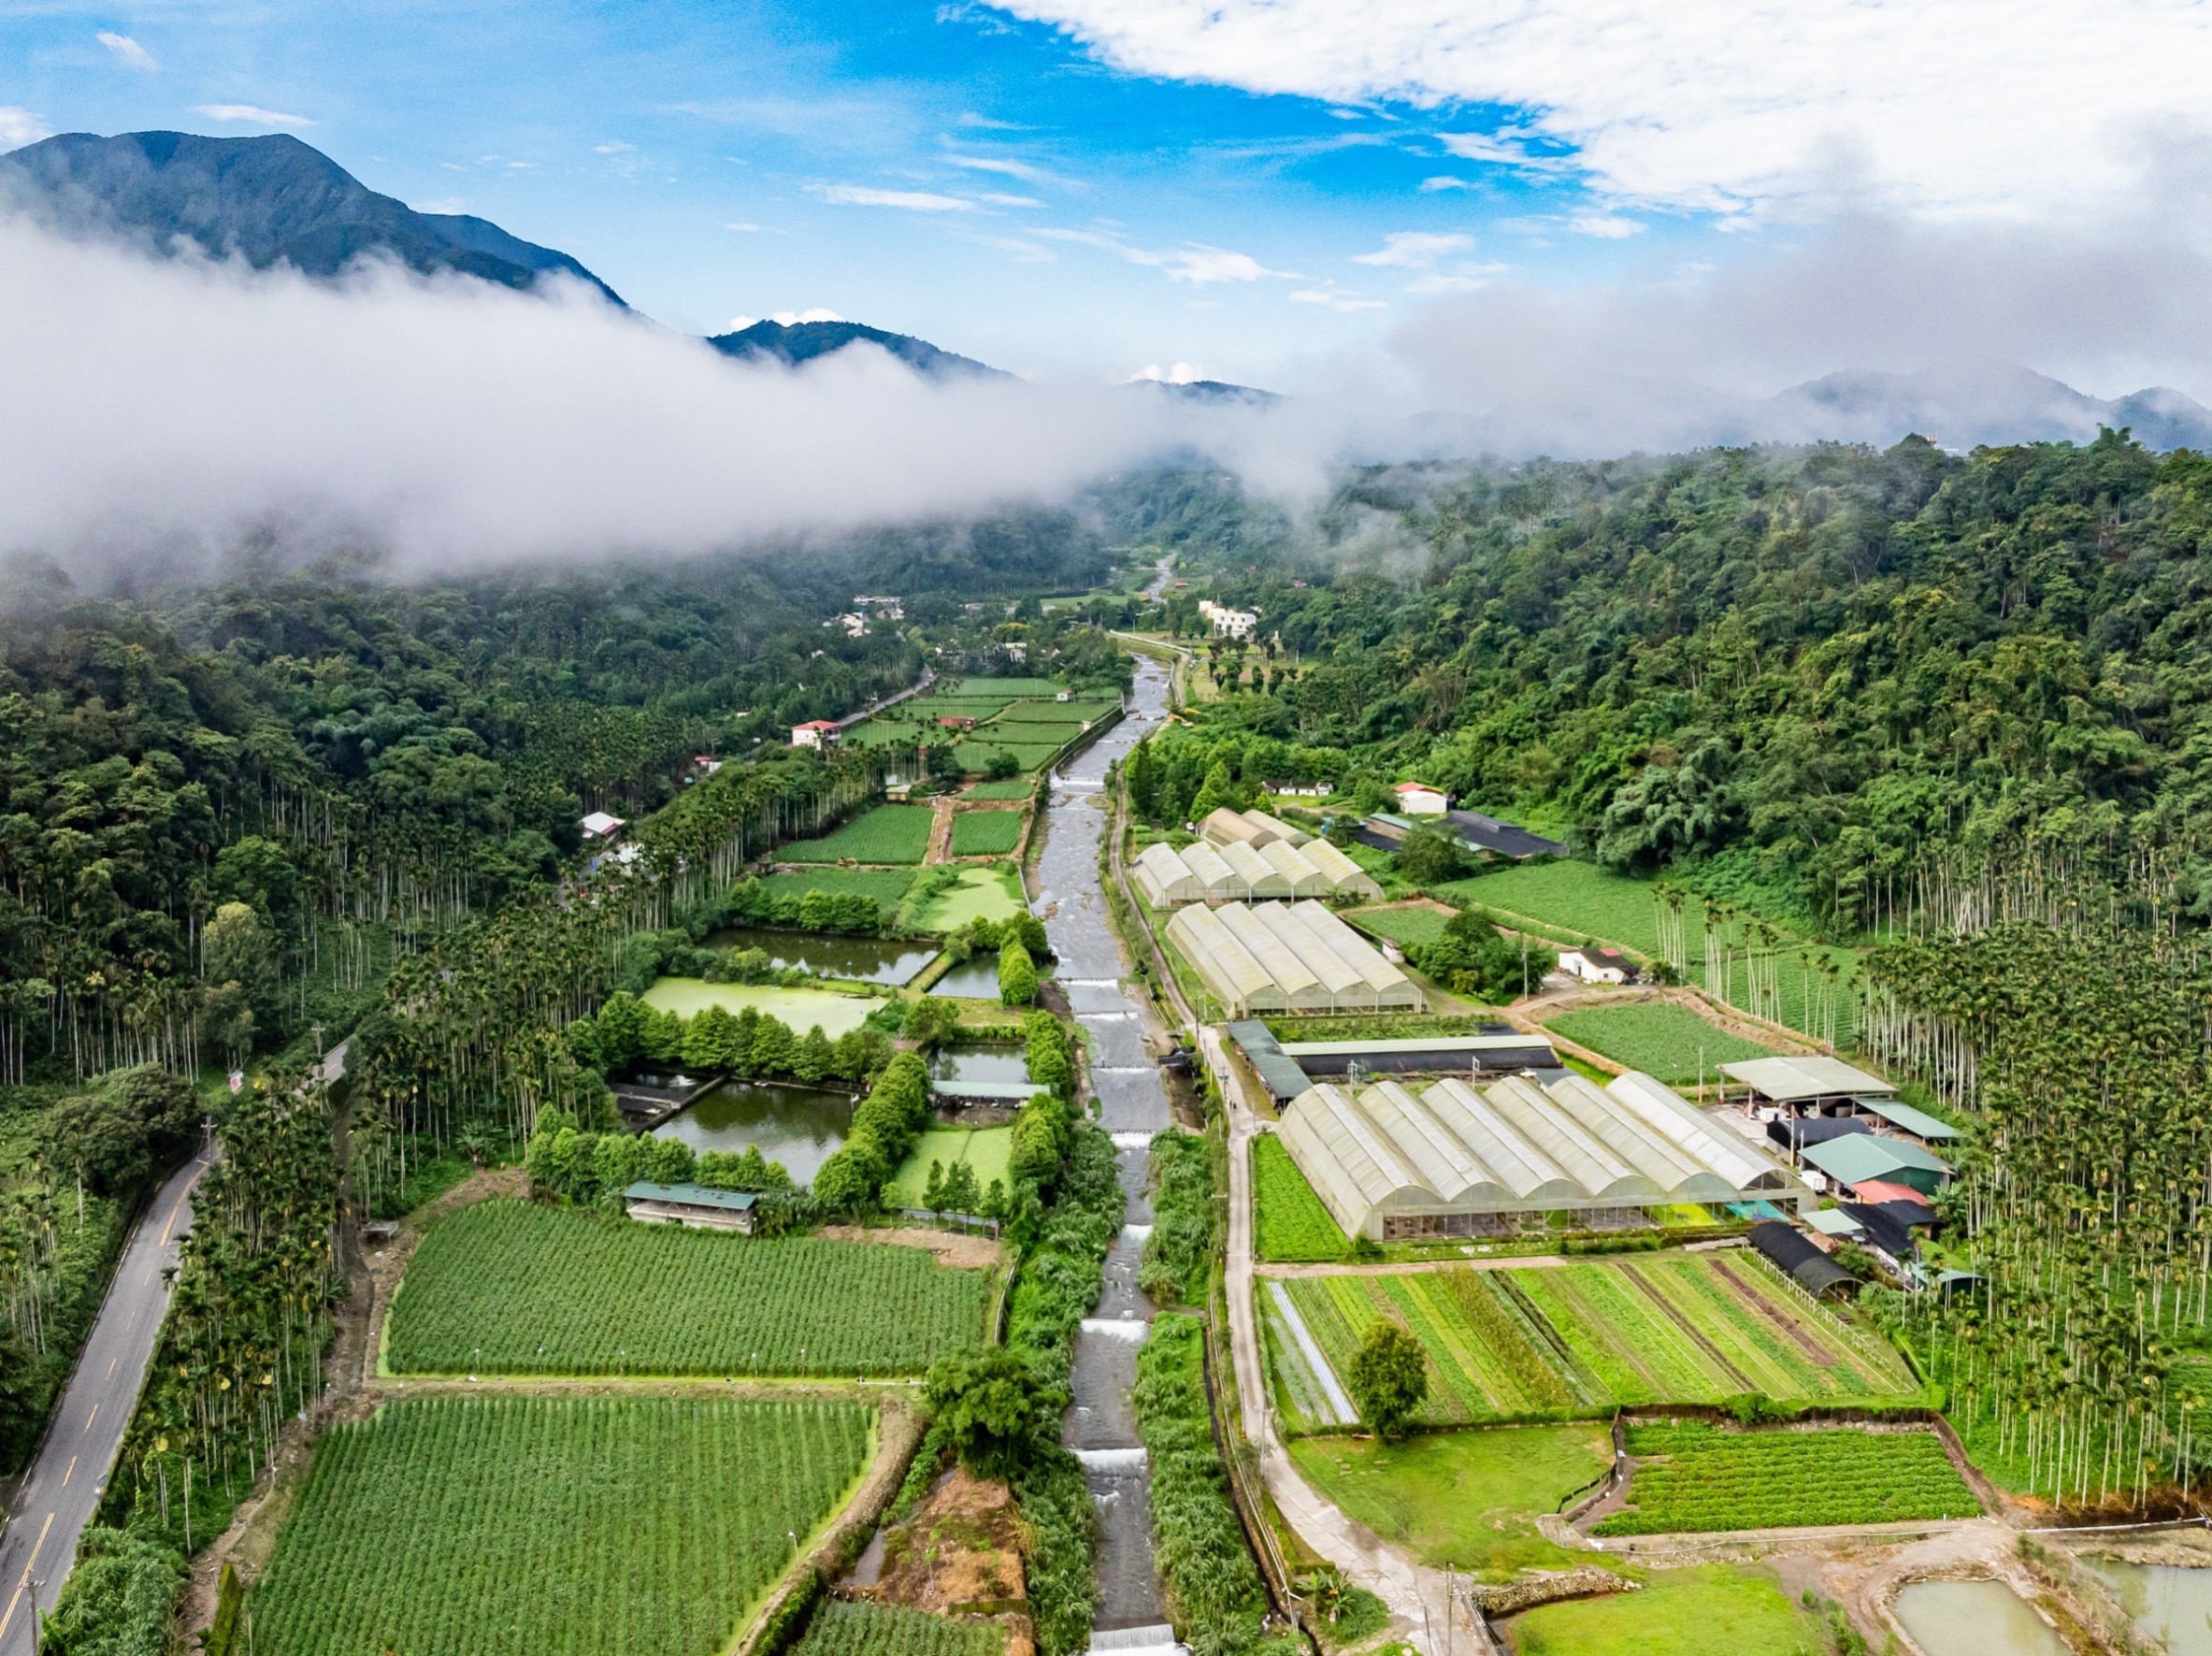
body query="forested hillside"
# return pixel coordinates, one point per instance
(1835, 663)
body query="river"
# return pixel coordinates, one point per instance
(1132, 1106)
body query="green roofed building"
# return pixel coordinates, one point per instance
(1859, 1158)
(695, 1205)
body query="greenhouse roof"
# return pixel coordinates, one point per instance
(1792, 1080)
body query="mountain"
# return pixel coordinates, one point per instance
(266, 200)
(1213, 392)
(1966, 406)
(793, 343)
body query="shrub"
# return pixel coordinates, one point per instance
(1017, 975)
(1387, 1378)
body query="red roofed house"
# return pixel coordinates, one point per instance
(1417, 798)
(814, 733)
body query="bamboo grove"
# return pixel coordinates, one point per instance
(2075, 1354)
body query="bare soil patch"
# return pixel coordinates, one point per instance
(958, 1555)
(952, 1247)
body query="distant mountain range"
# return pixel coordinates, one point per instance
(266, 200)
(271, 200)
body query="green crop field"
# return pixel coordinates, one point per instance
(985, 833)
(976, 755)
(1403, 926)
(1578, 899)
(1659, 1038)
(459, 1526)
(1009, 689)
(1030, 732)
(1511, 1344)
(1013, 788)
(886, 886)
(1081, 712)
(983, 894)
(986, 1150)
(801, 1009)
(846, 1627)
(1693, 1477)
(511, 1288)
(889, 833)
(1289, 1222)
(1736, 1608)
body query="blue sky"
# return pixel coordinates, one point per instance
(952, 171)
(1264, 189)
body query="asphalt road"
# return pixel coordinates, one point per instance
(57, 1500)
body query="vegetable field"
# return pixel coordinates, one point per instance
(1013, 788)
(1578, 900)
(986, 833)
(1659, 1038)
(889, 833)
(1029, 756)
(886, 886)
(1702, 1478)
(1291, 1224)
(455, 1526)
(846, 1627)
(1404, 926)
(1535, 1341)
(509, 1287)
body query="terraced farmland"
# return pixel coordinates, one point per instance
(986, 833)
(1584, 1339)
(1705, 1478)
(510, 1288)
(458, 1526)
(889, 833)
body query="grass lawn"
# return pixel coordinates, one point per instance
(1289, 1220)
(1009, 689)
(1713, 1608)
(512, 1287)
(983, 894)
(802, 1009)
(986, 833)
(1659, 1038)
(974, 756)
(889, 833)
(984, 1149)
(1467, 1499)
(1013, 788)
(457, 1526)
(886, 886)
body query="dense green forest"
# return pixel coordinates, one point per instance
(1840, 663)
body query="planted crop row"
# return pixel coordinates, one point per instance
(1291, 1224)
(889, 833)
(847, 1627)
(985, 833)
(1513, 1343)
(550, 1526)
(1659, 1038)
(513, 1288)
(1700, 1478)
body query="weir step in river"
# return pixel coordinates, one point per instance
(1132, 1106)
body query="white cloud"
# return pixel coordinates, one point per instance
(993, 199)
(1195, 262)
(1445, 181)
(1607, 227)
(127, 51)
(912, 201)
(1012, 169)
(249, 115)
(443, 204)
(614, 147)
(737, 324)
(1463, 278)
(1963, 106)
(452, 424)
(1335, 298)
(741, 227)
(1414, 250)
(20, 126)
(1181, 373)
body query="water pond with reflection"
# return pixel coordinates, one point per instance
(2167, 1603)
(890, 960)
(1974, 1618)
(798, 1126)
(976, 978)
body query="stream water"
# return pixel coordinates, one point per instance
(1132, 1106)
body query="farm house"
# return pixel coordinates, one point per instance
(1459, 1161)
(1287, 958)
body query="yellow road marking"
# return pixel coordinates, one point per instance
(66, 1474)
(91, 1418)
(28, 1564)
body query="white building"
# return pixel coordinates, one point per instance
(814, 733)
(599, 826)
(1417, 798)
(856, 624)
(1597, 966)
(1228, 623)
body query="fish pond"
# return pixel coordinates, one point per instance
(801, 1127)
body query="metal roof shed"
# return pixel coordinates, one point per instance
(1803, 1080)
(695, 1206)
(1863, 1156)
(1280, 1072)
(1794, 1254)
(1906, 1119)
